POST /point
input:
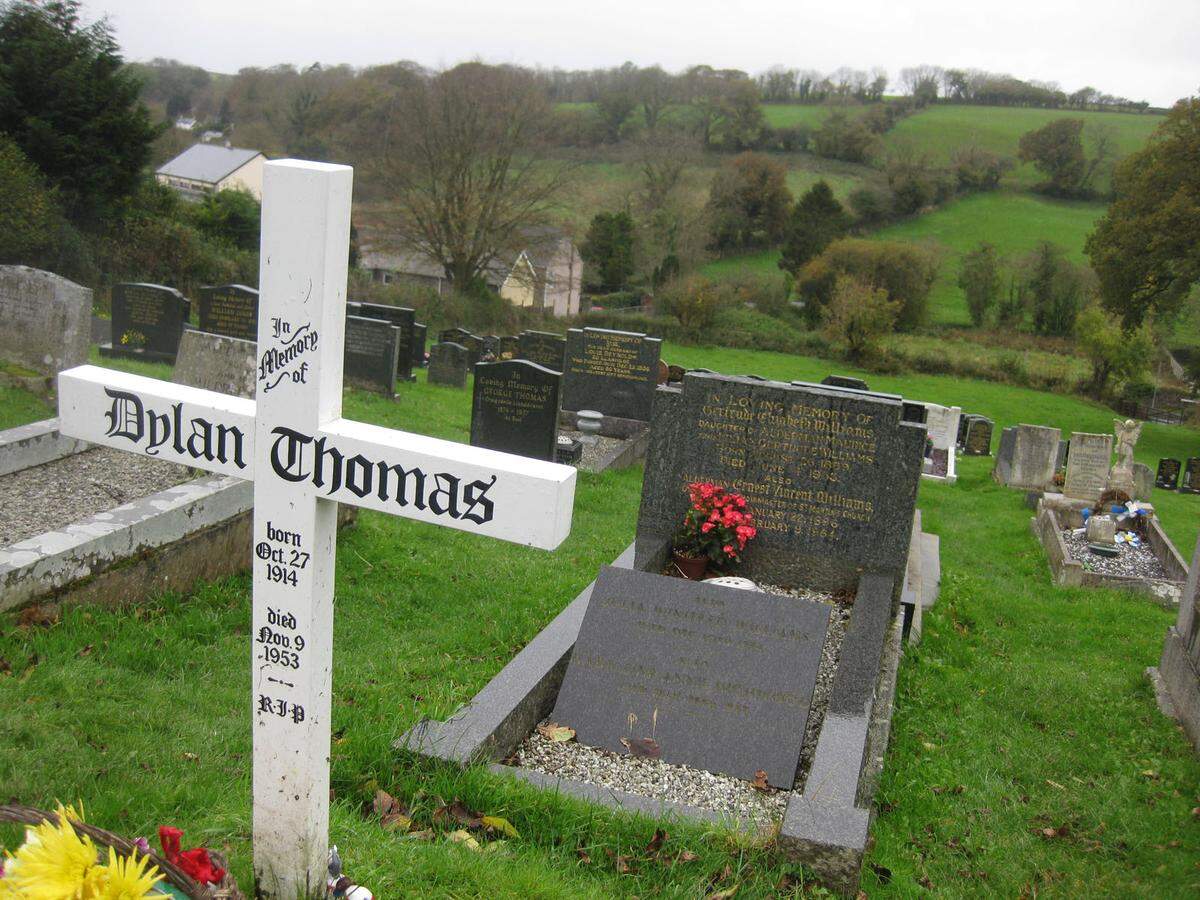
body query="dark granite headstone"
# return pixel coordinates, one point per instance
(148, 320)
(845, 381)
(514, 408)
(978, 440)
(448, 364)
(464, 338)
(404, 319)
(510, 347)
(229, 309)
(544, 348)
(420, 336)
(491, 345)
(372, 346)
(1167, 476)
(614, 372)
(721, 679)
(1191, 476)
(830, 475)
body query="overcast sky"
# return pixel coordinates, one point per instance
(1142, 49)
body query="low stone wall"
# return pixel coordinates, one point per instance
(34, 444)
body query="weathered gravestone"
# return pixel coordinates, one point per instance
(1087, 466)
(514, 408)
(830, 474)
(213, 362)
(941, 425)
(510, 347)
(614, 372)
(1143, 481)
(1179, 666)
(544, 348)
(45, 320)
(721, 679)
(1026, 458)
(464, 338)
(147, 322)
(978, 439)
(405, 320)
(448, 364)
(231, 310)
(1190, 484)
(305, 459)
(372, 348)
(845, 381)
(420, 335)
(1167, 476)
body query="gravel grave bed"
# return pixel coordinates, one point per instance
(1131, 562)
(593, 453)
(50, 496)
(660, 780)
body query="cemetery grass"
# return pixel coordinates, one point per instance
(1026, 744)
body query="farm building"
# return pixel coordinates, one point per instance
(208, 168)
(547, 273)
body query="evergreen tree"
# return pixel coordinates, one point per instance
(608, 250)
(816, 221)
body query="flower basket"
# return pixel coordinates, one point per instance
(176, 878)
(714, 532)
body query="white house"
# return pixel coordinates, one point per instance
(207, 168)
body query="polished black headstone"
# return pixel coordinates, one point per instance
(229, 309)
(514, 408)
(420, 336)
(369, 359)
(404, 319)
(720, 679)
(1191, 476)
(464, 338)
(1167, 476)
(448, 364)
(978, 440)
(148, 321)
(613, 372)
(544, 348)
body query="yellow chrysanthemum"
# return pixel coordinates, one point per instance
(54, 863)
(128, 878)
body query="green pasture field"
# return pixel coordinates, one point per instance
(1027, 754)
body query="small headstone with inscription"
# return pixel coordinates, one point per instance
(214, 362)
(448, 364)
(978, 440)
(372, 346)
(510, 347)
(941, 425)
(1143, 481)
(420, 335)
(464, 338)
(148, 321)
(718, 678)
(1167, 476)
(614, 372)
(1087, 466)
(1027, 457)
(514, 408)
(1191, 476)
(404, 319)
(45, 320)
(845, 381)
(491, 345)
(544, 348)
(230, 309)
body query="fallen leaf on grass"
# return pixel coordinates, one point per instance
(37, 616)
(1055, 784)
(583, 855)
(646, 747)
(1150, 773)
(457, 812)
(623, 864)
(191, 757)
(656, 842)
(425, 834)
(725, 894)
(5, 666)
(686, 856)
(1052, 833)
(462, 836)
(557, 733)
(85, 651)
(496, 823)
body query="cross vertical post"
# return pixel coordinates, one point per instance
(302, 283)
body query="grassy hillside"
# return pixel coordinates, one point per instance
(1024, 710)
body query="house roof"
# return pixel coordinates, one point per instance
(414, 263)
(207, 162)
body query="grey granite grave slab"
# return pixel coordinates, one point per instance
(404, 319)
(217, 363)
(448, 364)
(514, 408)
(230, 310)
(45, 320)
(1027, 457)
(721, 679)
(830, 474)
(544, 348)
(1179, 666)
(613, 372)
(1087, 465)
(371, 354)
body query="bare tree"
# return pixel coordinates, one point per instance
(467, 166)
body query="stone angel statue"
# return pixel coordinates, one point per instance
(1127, 432)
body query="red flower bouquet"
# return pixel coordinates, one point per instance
(716, 527)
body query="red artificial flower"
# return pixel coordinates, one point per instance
(195, 863)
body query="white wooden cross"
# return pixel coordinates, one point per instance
(304, 459)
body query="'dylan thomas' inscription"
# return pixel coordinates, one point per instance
(827, 445)
(199, 438)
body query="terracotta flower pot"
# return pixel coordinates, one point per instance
(692, 567)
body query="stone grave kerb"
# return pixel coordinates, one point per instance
(831, 474)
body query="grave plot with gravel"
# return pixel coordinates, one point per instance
(1130, 561)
